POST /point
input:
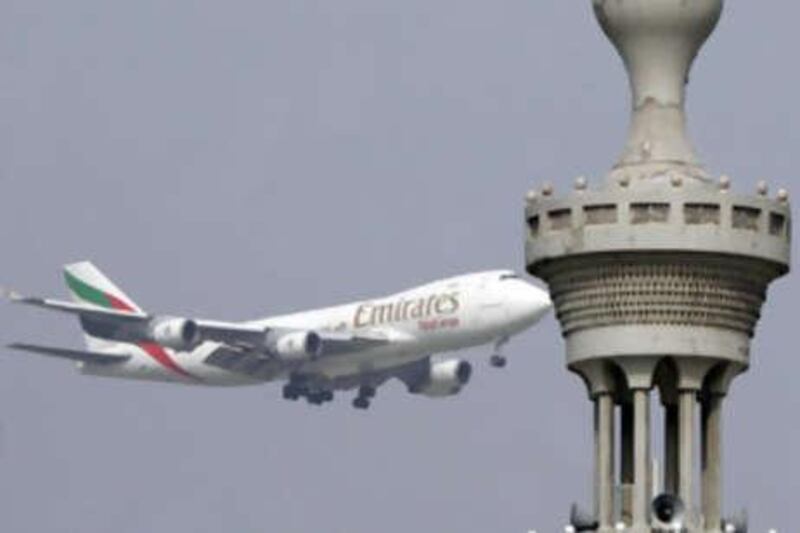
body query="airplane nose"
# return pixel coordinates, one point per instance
(531, 302)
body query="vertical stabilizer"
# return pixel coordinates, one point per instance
(89, 286)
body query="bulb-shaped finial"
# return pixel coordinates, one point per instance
(658, 41)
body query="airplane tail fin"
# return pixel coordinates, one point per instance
(88, 286)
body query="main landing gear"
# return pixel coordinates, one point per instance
(319, 397)
(294, 390)
(291, 392)
(498, 360)
(365, 394)
(314, 397)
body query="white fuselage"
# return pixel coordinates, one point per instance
(442, 316)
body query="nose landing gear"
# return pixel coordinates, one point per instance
(498, 360)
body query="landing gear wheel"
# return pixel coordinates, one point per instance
(316, 398)
(327, 396)
(361, 403)
(290, 393)
(498, 361)
(367, 392)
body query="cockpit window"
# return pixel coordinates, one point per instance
(509, 275)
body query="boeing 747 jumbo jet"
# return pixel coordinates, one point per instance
(357, 346)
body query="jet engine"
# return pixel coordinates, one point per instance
(175, 333)
(296, 346)
(444, 378)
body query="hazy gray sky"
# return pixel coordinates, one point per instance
(238, 159)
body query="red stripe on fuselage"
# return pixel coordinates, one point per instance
(158, 353)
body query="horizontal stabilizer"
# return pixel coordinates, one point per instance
(74, 355)
(76, 308)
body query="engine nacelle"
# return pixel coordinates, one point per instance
(297, 346)
(444, 378)
(175, 333)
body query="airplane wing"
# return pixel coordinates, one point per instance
(259, 365)
(136, 325)
(344, 342)
(74, 355)
(244, 362)
(250, 338)
(236, 335)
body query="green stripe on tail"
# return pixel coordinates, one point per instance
(87, 292)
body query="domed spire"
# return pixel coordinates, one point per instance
(658, 41)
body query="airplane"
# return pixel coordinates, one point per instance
(357, 346)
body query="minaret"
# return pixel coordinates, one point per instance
(658, 277)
